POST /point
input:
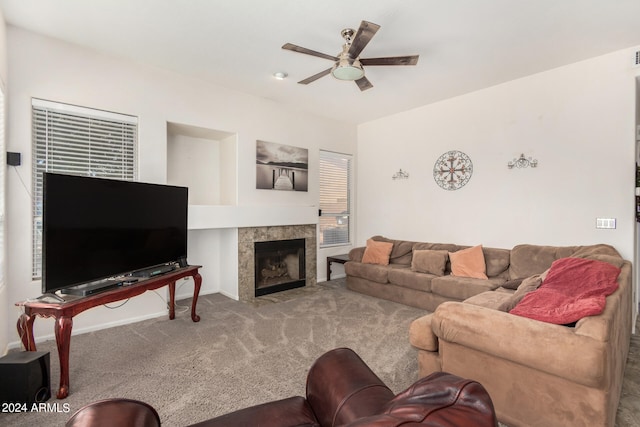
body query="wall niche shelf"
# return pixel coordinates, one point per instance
(205, 160)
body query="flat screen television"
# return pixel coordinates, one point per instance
(95, 228)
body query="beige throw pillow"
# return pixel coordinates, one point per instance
(529, 284)
(429, 261)
(512, 284)
(468, 263)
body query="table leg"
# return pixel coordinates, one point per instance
(25, 331)
(197, 280)
(328, 270)
(172, 300)
(63, 340)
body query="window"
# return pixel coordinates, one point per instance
(3, 256)
(335, 198)
(78, 141)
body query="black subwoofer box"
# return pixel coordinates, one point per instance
(25, 377)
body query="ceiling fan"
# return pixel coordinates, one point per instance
(348, 65)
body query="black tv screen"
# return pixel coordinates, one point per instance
(96, 228)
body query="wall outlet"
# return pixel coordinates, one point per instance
(606, 223)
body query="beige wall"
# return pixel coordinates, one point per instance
(4, 294)
(577, 120)
(45, 68)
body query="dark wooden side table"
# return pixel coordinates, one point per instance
(63, 312)
(335, 258)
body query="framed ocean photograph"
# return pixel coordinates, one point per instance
(281, 167)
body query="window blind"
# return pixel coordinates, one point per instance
(335, 198)
(78, 141)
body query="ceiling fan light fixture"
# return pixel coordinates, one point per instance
(346, 71)
(347, 65)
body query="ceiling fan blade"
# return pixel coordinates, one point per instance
(362, 38)
(315, 77)
(391, 60)
(364, 83)
(299, 49)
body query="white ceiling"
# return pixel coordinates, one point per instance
(464, 45)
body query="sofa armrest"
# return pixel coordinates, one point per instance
(115, 411)
(291, 412)
(342, 388)
(356, 254)
(546, 347)
(421, 334)
(440, 399)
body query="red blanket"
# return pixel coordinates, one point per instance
(573, 289)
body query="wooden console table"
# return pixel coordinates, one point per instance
(63, 312)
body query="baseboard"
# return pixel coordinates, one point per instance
(228, 295)
(188, 295)
(78, 331)
(183, 296)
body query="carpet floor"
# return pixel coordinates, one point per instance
(243, 354)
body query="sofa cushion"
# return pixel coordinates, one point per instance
(461, 288)
(573, 289)
(401, 251)
(600, 252)
(449, 247)
(468, 263)
(377, 252)
(430, 261)
(489, 299)
(373, 272)
(527, 260)
(616, 261)
(497, 260)
(410, 279)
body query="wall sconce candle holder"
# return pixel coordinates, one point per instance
(400, 175)
(522, 162)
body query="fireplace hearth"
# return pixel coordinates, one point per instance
(279, 265)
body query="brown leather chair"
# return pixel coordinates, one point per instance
(343, 391)
(115, 412)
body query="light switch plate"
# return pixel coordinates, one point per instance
(606, 223)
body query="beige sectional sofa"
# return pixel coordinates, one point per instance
(402, 281)
(537, 373)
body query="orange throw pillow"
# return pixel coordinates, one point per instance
(468, 263)
(377, 252)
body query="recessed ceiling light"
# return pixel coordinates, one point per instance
(280, 75)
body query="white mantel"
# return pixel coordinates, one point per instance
(213, 239)
(203, 217)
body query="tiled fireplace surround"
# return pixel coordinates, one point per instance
(247, 236)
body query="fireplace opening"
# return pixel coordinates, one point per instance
(280, 265)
